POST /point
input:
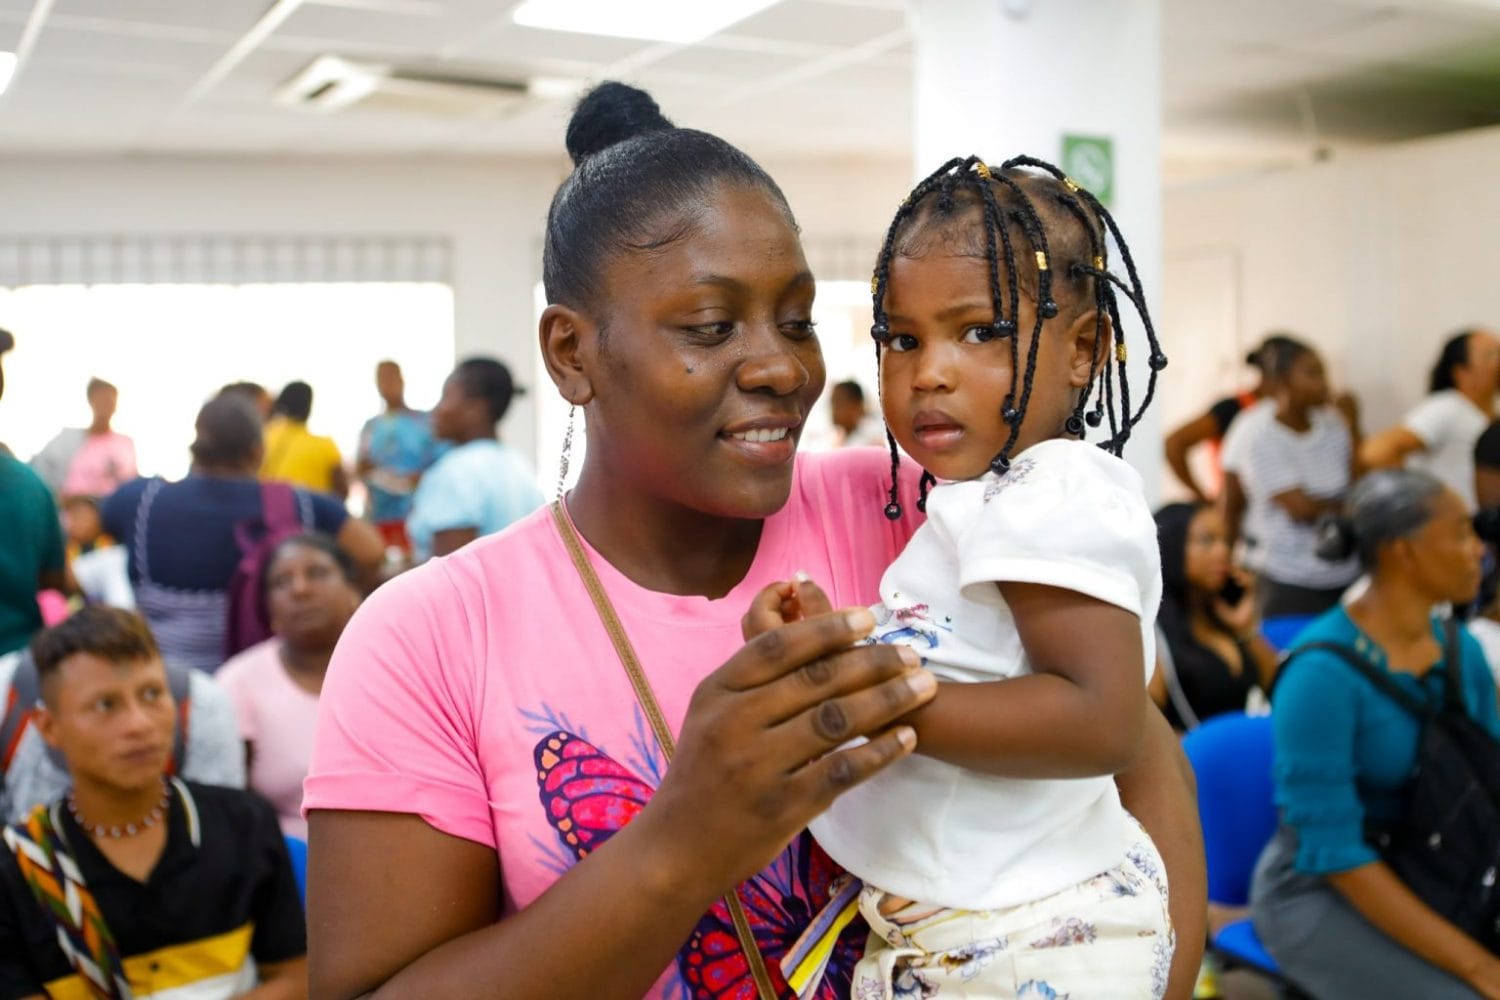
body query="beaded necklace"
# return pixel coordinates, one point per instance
(129, 829)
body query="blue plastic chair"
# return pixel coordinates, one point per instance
(296, 849)
(1283, 630)
(1232, 757)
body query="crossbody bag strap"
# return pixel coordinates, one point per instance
(647, 699)
(1453, 668)
(49, 870)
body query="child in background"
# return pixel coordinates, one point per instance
(998, 861)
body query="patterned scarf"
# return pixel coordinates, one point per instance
(42, 854)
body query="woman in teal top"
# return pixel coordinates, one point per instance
(1333, 915)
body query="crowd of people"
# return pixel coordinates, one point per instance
(725, 720)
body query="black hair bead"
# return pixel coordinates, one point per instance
(922, 504)
(893, 511)
(880, 331)
(1158, 362)
(1010, 414)
(1000, 465)
(1004, 327)
(1095, 417)
(1074, 426)
(1048, 309)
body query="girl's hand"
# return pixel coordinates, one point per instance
(1239, 616)
(780, 603)
(760, 752)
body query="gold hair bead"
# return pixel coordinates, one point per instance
(1098, 263)
(1120, 353)
(982, 169)
(1070, 184)
(874, 283)
(1041, 261)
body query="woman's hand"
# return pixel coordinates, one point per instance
(1240, 616)
(761, 752)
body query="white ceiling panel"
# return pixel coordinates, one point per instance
(1252, 82)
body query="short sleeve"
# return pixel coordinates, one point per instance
(1487, 448)
(1223, 413)
(1236, 441)
(280, 923)
(328, 513)
(451, 499)
(1064, 518)
(117, 513)
(1316, 708)
(396, 729)
(1432, 419)
(223, 715)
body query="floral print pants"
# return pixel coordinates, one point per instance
(1107, 937)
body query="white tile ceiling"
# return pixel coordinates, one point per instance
(1246, 82)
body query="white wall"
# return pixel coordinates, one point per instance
(1376, 258)
(492, 211)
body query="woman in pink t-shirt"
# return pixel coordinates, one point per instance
(274, 685)
(489, 811)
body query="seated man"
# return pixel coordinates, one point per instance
(206, 747)
(175, 887)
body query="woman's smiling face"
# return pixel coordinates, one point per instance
(704, 364)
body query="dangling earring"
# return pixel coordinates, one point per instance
(567, 449)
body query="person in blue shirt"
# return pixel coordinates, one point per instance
(481, 485)
(1334, 916)
(395, 448)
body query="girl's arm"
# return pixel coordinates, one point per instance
(1081, 713)
(399, 909)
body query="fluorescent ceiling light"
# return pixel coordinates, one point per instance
(681, 21)
(7, 69)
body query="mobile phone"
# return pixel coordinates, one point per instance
(1232, 592)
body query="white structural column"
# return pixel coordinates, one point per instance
(1001, 77)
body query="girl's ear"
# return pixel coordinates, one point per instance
(1084, 332)
(567, 337)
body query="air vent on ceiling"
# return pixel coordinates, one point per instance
(332, 83)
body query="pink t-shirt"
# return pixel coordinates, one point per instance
(482, 693)
(100, 465)
(277, 715)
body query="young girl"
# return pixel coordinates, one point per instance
(999, 862)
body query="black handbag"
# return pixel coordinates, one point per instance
(1446, 846)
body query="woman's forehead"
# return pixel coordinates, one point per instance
(737, 236)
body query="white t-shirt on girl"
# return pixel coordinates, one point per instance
(1067, 515)
(1448, 424)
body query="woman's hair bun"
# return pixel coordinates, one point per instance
(1336, 538)
(609, 114)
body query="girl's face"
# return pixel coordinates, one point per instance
(944, 374)
(1206, 556)
(1306, 383)
(703, 367)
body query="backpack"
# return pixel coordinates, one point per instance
(257, 537)
(26, 691)
(1446, 845)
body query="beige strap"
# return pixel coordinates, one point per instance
(648, 703)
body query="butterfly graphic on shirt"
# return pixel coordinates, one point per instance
(588, 796)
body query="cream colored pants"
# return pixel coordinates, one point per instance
(1107, 937)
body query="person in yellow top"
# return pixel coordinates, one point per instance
(295, 454)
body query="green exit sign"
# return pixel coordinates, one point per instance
(1090, 160)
